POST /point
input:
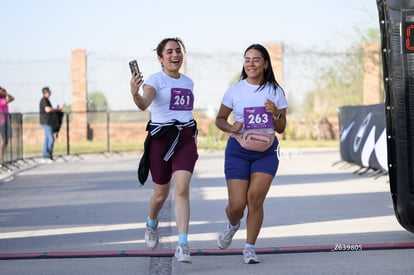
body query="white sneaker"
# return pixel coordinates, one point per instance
(182, 253)
(250, 256)
(225, 237)
(151, 236)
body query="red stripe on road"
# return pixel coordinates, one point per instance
(204, 252)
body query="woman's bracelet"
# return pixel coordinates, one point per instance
(278, 116)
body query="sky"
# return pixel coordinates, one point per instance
(37, 37)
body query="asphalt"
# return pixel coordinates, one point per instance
(86, 215)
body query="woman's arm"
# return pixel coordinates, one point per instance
(222, 121)
(279, 116)
(9, 98)
(279, 121)
(144, 100)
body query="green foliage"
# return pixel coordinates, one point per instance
(85, 147)
(67, 108)
(235, 79)
(97, 102)
(341, 82)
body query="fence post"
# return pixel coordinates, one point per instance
(108, 136)
(8, 137)
(67, 134)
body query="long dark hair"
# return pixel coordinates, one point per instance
(269, 76)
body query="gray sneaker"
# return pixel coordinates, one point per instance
(225, 237)
(151, 236)
(249, 256)
(182, 253)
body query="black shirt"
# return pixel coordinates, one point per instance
(44, 117)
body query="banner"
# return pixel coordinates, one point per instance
(363, 136)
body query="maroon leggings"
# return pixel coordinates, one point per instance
(184, 157)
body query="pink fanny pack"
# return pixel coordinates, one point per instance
(255, 140)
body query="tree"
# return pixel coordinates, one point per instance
(97, 102)
(341, 82)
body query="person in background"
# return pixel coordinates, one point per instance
(5, 99)
(171, 140)
(45, 109)
(249, 174)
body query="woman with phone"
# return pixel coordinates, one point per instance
(170, 151)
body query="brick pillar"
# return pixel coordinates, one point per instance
(276, 56)
(372, 78)
(79, 116)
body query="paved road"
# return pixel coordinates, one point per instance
(85, 215)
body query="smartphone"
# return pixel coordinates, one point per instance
(133, 65)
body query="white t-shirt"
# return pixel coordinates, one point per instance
(243, 95)
(174, 98)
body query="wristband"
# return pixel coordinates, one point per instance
(279, 115)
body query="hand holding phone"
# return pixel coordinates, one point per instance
(133, 65)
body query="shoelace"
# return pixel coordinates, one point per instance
(250, 253)
(185, 249)
(152, 234)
